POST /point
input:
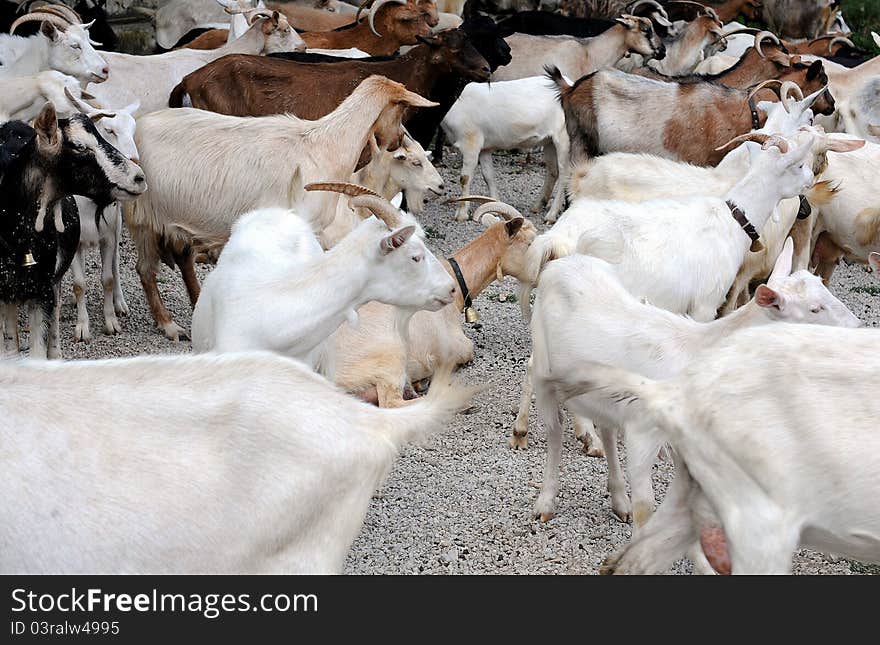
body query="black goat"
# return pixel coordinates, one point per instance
(544, 23)
(41, 167)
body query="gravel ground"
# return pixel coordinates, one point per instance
(462, 502)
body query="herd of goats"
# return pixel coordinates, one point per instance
(703, 180)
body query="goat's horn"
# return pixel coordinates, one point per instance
(61, 9)
(352, 190)
(85, 108)
(469, 198)
(785, 91)
(55, 19)
(378, 5)
(743, 30)
(757, 137)
(761, 36)
(364, 5)
(255, 14)
(380, 207)
(506, 211)
(657, 6)
(840, 39)
(760, 86)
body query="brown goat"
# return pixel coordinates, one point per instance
(829, 45)
(259, 86)
(390, 24)
(371, 359)
(306, 18)
(611, 111)
(726, 10)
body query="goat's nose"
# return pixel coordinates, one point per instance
(452, 291)
(105, 71)
(139, 178)
(485, 69)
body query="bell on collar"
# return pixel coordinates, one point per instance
(29, 260)
(470, 315)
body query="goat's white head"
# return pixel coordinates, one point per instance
(412, 170)
(280, 36)
(788, 162)
(116, 126)
(405, 273)
(800, 297)
(70, 48)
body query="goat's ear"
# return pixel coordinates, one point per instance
(399, 154)
(131, 108)
(767, 297)
(46, 125)
(815, 70)
(782, 268)
(513, 226)
(626, 21)
(49, 30)
(397, 239)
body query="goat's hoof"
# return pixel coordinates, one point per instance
(121, 308)
(175, 332)
(544, 510)
(112, 326)
(622, 512)
(550, 220)
(519, 440)
(609, 565)
(592, 450)
(82, 333)
(544, 517)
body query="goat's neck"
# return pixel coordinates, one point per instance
(32, 55)
(253, 41)
(607, 48)
(748, 315)
(478, 262)
(757, 194)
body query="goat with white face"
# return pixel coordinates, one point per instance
(273, 264)
(60, 45)
(580, 292)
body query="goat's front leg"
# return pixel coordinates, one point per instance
(519, 440)
(9, 323)
(550, 176)
(54, 350)
(187, 264)
(148, 270)
(640, 454)
(108, 281)
(469, 158)
(78, 273)
(488, 170)
(560, 178)
(39, 314)
(551, 413)
(119, 303)
(616, 482)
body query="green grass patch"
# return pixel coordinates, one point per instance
(871, 291)
(433, 234)
(863, 17)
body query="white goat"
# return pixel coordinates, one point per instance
(207, 169)
(22, 97)
(581, 292)
(744, 420)
(502, 115)
(59, 45)
(274, 265)
(265, 467)
(150, 79)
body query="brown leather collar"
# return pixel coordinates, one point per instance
(756, 123)
(746, 226)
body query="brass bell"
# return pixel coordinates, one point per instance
(29, 260)
(470, 315)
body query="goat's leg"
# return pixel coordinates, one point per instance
(519, 440)
(551, 413)
(826, 256)
(666, 536)
(148, 269)
(469, 157)
(78, 273)
(616, 482)
(550, 174)
(585, 432)
(39, 313)
(119, 303)
(108, 244)
(11, 340)
(640, 454)
(560, 176)
(488, 170)
(439, 142)
(802, 234)
(54, 350)
(185, 260)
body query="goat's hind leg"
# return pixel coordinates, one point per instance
(551, 413)
(9, 323)
(519, 440)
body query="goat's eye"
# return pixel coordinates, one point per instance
(816, 310)
(75, 46)
(416, 162)
(417, 258)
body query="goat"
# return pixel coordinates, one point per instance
(578, 57)
(581, 292)
(714, 112)
(747, 471)
(41, 168)
(91, 12)
(60, 44)
(22, 97)
(273, 257)
(372, 359)
(276, 478)
(255, 86)
(313, 18)
(689, 46)
(726, 10)
(544, 23)
(207, 169)
(398, 22)
(800, 18)
(150, 79)
(510, 114)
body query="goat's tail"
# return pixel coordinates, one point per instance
(179, 97)
(546, 247)
(428, 415)
(555, 75)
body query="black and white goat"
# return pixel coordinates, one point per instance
(41, 167)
